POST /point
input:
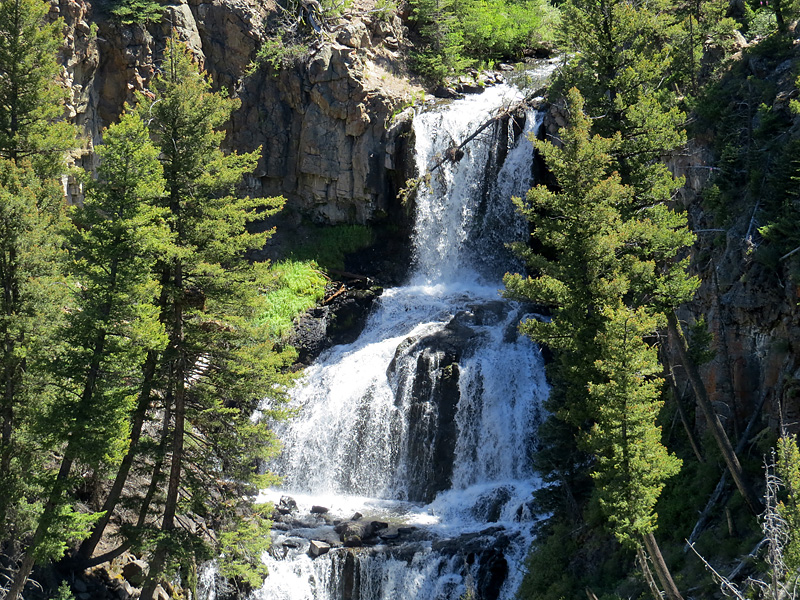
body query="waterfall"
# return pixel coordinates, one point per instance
(411, 445)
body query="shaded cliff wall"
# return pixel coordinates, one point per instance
(751, 309)
(323, 124)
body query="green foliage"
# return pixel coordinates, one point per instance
(277, 54)
(442, 51)
(788, 469)
(128, 12)
(243, 545)
(65, 525)
(608, 272)
(112, 247)
(756, 144)
(328, 246)
(762, 24)
(211, 302)
(30, 260)
(495, 30)
(632, 463)
(64, 592)
(30, 118)
(296, 286)
(456, 34)
(699, 341)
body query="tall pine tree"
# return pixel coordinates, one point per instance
(606, 271)
(32, 142)
(112, 324)
(217, 366)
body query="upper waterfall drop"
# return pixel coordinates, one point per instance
(416, 436)
(457, 203)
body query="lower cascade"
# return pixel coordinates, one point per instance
(406, 470)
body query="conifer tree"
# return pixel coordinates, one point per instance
(30, 310)
(624, 68)
(607, 271)
(217, 365)
(31, 117)
(112, 325)
(32, 144)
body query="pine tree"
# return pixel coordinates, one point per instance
(112, 325)
(608, 272)
(30, 310)
(217, 366)
(30, 118)
(32, 145)
(632, 463)
(625, 69)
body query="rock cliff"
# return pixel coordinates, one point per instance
(323, 123)
(751, 310)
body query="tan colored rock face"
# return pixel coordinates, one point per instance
(322, 125)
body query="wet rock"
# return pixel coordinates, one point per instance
(376, 526)
(492, 574)
(319, 510)
(356, 516)
(447, 93)
(339, 322)
(286, 505)
(318, 548)
(406, 530)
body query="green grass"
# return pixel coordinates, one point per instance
(297, 286)
(298, 282)
(332, 244)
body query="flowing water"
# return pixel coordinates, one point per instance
(416, 437)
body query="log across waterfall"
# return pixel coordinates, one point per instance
(416, 438)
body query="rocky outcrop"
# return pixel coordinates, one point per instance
(751, 309)
(323, 124)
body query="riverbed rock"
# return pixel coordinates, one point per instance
(318, 548)
(286, 505)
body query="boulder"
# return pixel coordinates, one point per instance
(135, 572)
(286, 505)
(318, 548)
(319, 510)
(354, 35)
(160, 593)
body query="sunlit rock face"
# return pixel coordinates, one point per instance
(323, 122)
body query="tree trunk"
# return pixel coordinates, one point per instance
(687, 426)
(21, 577)
(173, 489)
(148, 497)
(721, 438)
(89, 545)
(660, 567)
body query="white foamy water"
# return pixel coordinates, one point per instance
(427, 421)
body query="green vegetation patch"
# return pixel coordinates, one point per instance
(299, 281)
(329, 245)
(297, 286)
(457, 34)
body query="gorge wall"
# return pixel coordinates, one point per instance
(324, 124)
